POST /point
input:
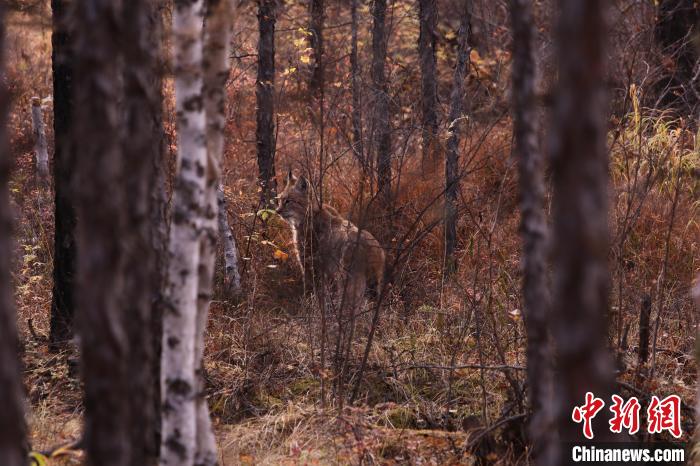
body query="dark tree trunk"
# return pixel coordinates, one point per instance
(358, 146)
(63, 300)
(12, 426)
(580, 211)
(381, 125)
(452, 176)
(102, 209)
(677, 32)
(316, 13)
(428, 65)
(142, 152)
(533, 229)
(264, 93)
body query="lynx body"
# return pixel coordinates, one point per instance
(328, 246)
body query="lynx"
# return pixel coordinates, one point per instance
(328, 246)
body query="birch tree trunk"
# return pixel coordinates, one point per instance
(427, 15)
(179, 386)
(533, 228)
(452, 176)
(142, 149)
(232, 277)
(381, 124)
(40, 146)
(264, 93)
(12, 425)
(216, 72)
(580, 211)
(63, 295)
(358, 145)
(102, 227)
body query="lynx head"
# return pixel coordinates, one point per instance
(293, 201)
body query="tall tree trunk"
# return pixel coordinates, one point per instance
(158, 209)
(216, 73)
(381, 124)
(63, 299)
(232, 276)
(428, 65)
(452, 176)
(142, 151)
(358, 145)
(677, 32)
(580, 211)
(316, 13)
(264, 93)
(533, 228)
(40, 146)
(12, 425)
(178, 382)
(101, 230)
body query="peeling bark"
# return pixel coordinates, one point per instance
(232, 277)
(40, 146)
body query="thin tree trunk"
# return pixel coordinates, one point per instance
(12, 425)
(358, 145)
(142, 149)
(216, 72)
(381, 125)
(40, 146)
(428, 15)
(102, 227)
(63, 297)
(533, 229)
(232, 277)
(695, 449)
(158, 215)
(179, 386)
(452, 177)
(580, 211)
(264, 93)
(316, 13)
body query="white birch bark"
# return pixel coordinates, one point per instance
(40, 147)
(232, 277)
(217, 37)
(179, 429)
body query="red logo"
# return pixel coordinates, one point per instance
(625, 415)
(587, 412)
(665, 415)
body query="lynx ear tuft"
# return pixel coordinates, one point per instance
(290, 179)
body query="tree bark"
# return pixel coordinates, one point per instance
(12, 425)
(101, 230)
(232, 277)
(142, 150)
(428, 15)
(178, 382)
(358, 145)
(264, 93)
(677, 32)
(316, 13)
(580, 211)
(533, 229)
(40, 146)
(381, 124)
(63, 297)
(452, 176)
